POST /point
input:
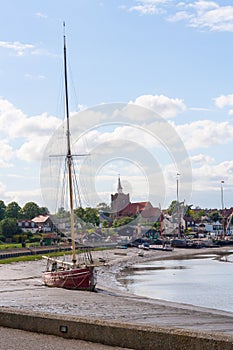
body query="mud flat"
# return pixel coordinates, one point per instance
(112, 315)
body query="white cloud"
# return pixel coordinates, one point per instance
(202, 6)
(6, 154)
(31, 133)
(32, 150)
(205, 133)
(224, 100)
(207, 15)
(208, 175)
(149, 7)
(41, 15)
(21, 196)
(35, 77)
(19, 48)
(201, 159)
(15, 124)
(202, 109)
(180, 16)
(163, 105)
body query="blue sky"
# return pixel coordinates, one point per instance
(174, 57)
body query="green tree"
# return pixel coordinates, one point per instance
(172, 207)
(104, 207)
(9, 227)
(215, 216)
(12, 210)
(88, 215)
(122, 221)
(44, 211)
(92, 216)
(30, 210)
(79, 213)
(62, 213)
(189, 211)
(105, 224)
(2, 209)
(198, 214)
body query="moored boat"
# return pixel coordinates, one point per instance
(62, 274)
(65, 275)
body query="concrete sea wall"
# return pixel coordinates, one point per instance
(138, 337)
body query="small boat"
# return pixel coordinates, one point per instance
(70, 275)
(164, 247)
(141, 253)
(144, 246)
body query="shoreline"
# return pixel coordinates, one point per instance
(22, 288)
(121, 260)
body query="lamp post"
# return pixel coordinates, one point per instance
(177, 202)
(223, 217)
(222, 202)
(177, 187)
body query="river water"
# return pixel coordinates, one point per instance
(206, 280)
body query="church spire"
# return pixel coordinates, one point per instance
(119, 187)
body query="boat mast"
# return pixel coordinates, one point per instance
(69, 155)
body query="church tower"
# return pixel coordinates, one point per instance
(119, 200)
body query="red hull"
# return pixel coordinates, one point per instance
(82, 278)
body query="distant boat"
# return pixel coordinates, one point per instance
(141, 253)
(165, 247)
(70, 275)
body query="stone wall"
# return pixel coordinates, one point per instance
(138, 337)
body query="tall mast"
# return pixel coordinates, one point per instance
(69, 155)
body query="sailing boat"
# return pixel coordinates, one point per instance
(70, 275)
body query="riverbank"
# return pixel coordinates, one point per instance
(22, 289)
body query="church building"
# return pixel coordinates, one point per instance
(121, 206)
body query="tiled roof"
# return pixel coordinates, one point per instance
(144, 208)
(40, 219)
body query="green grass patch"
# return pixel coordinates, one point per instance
(10, 246)
(31, 257)
(39, 256)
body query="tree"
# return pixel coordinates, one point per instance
(92, 216)
(88, 215)
(215, 216)
(8, 227)
(104, 208)
(172, 207)
(198, 214)
(2, 209)
(62, 213)
(189, 211)
(44, 211)
(122, 221)
(29, 211)
(12, 210)
(105, 224)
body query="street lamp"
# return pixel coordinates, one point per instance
(222, 182)
(177, 202)
(177, 187)
(223, 216)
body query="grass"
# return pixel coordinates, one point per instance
(39, 256)
(31, 257)
(10, 246)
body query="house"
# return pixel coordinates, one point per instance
(188, 222)
(43, 223)
(27, 225)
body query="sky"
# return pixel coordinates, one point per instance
(171, 57)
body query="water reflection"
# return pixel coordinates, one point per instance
(151, 268)
(205, 281)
